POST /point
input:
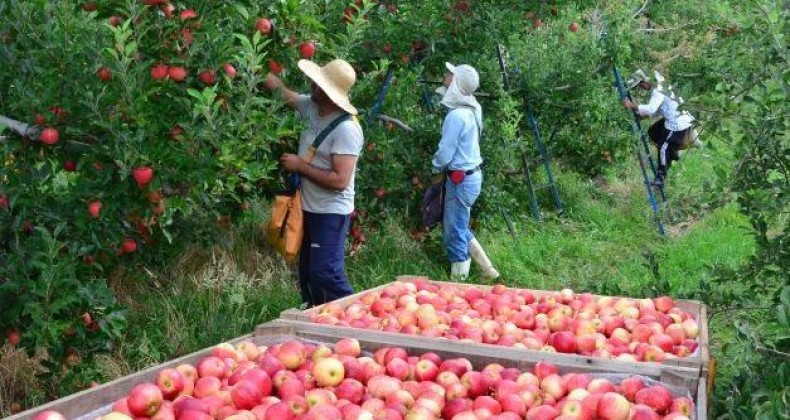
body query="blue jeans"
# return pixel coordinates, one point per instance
(322, 269)
(458, 201)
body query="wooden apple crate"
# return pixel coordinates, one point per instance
(690, 369)
(95, 402)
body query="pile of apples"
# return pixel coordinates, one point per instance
(297, 380)
(636, 330)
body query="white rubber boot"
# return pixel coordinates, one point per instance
(480, 257)
(459, 271)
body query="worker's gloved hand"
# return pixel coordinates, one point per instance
(628, 104)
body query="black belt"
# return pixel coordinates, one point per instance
(469, 172)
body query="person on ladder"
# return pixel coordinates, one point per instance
(672, 132)
(458, 157)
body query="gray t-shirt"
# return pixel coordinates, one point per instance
(345, 139)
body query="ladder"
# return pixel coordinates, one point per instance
(638, 122)
(376, 108)
(636, 127)
(541, 149)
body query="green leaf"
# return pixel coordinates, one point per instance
(242, 11)
(195, 94)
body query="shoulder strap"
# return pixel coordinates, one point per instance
(326, 131)
(296, 179)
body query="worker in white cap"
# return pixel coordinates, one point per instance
(327, 166)
(672, 132)
(458, 156)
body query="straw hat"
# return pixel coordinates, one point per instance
(335, 78)
(636, 78)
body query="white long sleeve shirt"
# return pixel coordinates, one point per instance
(667, 107)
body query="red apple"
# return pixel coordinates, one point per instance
(275, 67)
(351, 390)
(348, 347)
(208, 77)
(543, 369)
(630, 386)
(328, 372)
(104, 74)
(664, 303)
(264, 26)
(49, 415)
(643, 412)
(291, 387)
(380, 386)
(574, 27)
(398, 368)
(487, 403)
(307, 50)
(177, 74)
(143, 175)
(691, 328)
(187, 371)
(49, 136)
(211, 366)
(245, 395)
(94, 208)
(613, 406)
(187, 14)
(229, 70)
(682, 405)
(207, 385)
(553, 385)
(159, 71)
(564, 342)
(656, 397)
(128, 246)
(122, 406)
(145, 400)
(170, 382)
(542, 412)
(260, 379)
(454, 407)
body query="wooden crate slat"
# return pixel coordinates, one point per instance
(675, 375)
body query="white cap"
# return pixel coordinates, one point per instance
(467, 77)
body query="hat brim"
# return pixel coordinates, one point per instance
(313, 71)
(450, 67)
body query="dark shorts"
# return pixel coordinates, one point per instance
(659, 134)
(322, 270)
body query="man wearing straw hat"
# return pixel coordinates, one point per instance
(327, 185)
(458, 156)
(673, 131)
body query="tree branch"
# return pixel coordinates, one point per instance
(20, 128)
(770, 351)
(641, 9)
(658, 30)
